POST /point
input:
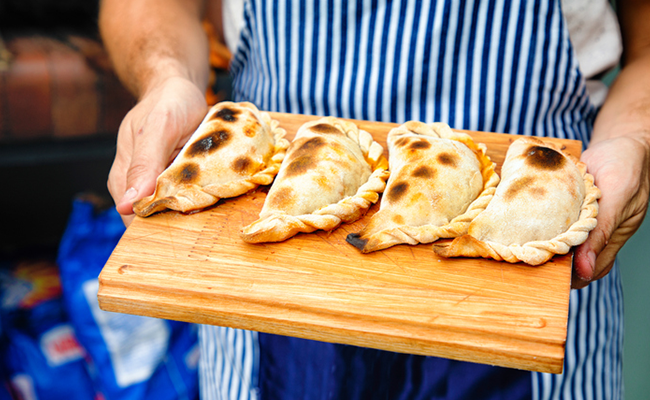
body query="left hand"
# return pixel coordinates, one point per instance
(620, 166)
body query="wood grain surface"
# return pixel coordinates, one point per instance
(195, 268)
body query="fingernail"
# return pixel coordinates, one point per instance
(591, 257)
(592, 261)
(129, 195)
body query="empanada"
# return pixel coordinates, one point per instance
(332, 173)
(235, 149)
(439, 181)
(545, 204)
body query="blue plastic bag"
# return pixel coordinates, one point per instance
(48, 367)
(42, 358)
(133, 357)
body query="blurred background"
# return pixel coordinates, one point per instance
(635, 272)
(60, 109)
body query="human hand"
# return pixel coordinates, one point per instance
(150, 137)
(620, 167)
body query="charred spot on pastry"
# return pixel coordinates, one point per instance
(544, 158)
(448, 159)
(300, 165)
(283, 198)
(311, 144)
(323, 181)
(397, 191)
(251, 129)
(423, 171)
(209, 143)
(420, 144)
(242, 164)
(326, 129)
(573, 190)
(355, 240)
(227, 114)
(538, 191)
(517, 186)
(403, 141)
(189, 173)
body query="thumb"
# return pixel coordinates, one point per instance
(148, 161)
(584, 260)
(597, 254)
(140, 183)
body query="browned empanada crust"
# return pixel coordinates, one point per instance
(235, 149)
(545, 204)
(439, 181)
(332, 173)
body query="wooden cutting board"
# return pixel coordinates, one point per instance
(195, 268)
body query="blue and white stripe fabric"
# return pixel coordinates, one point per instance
(492, 65)
(429, 61)
(593, 364)
(229, 363)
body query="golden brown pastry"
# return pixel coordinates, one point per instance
(439, 181)
(545, 204)
(332, 173)
(235, 149)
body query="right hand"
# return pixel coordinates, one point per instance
(150, 137)
(620, 167)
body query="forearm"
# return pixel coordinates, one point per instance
(150, 41)
(626, 111)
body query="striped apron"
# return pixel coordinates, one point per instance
(491, 65)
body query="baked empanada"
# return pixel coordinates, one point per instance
(439, 181)
(332, 173)
(545, 204)
(235, 149)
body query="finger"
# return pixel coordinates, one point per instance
(127, 219)
(601, 264)
(150, 157)
(586, 256)
(584, 259)
(117, 175)
(116, 190)
(607, 256)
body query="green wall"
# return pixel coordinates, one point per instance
(635, 272)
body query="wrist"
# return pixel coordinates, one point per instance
(165, 70)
